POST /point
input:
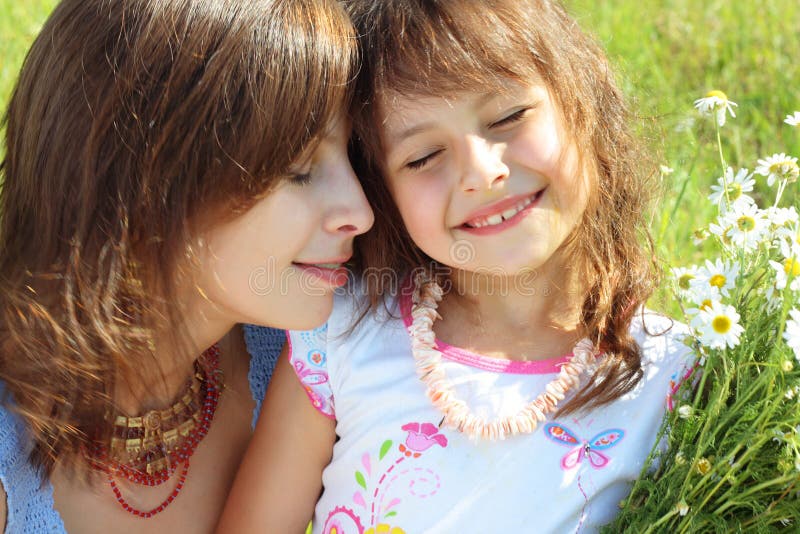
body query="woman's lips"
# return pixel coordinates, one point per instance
(334, 274)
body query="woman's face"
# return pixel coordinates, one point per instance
(279, 263)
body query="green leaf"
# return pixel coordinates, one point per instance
(385, 448)
(390, 514)
(360, 480)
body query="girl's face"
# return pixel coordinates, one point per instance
(279, 263)
(485, 182)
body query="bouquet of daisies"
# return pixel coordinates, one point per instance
(728, 458)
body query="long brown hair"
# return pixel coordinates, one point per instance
(418, 47)
(133, 125)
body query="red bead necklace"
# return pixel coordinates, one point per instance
(176, 457)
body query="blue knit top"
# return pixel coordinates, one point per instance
(30, 499)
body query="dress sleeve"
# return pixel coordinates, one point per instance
(309, 359)
(264, 345)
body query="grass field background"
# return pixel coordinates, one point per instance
(667, 53)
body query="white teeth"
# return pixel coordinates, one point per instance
(497, 219)
(510, 213)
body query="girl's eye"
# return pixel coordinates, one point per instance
(510, 119)
(421, 162)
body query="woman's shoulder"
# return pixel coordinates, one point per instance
(264, 346)
(28, 502)
(12, 432)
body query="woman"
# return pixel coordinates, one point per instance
(172, 168)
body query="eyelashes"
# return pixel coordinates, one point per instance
(419, 163)
(508, 120)
(301, 179)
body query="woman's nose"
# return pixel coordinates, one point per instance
(349, 212)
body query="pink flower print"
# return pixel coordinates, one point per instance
(421, 437)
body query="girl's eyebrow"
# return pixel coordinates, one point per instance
(410, 132)
(479, 102)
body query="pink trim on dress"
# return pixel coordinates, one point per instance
(315, 402)
(486, 363)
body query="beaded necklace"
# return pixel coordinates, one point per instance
(145, 452)
(457, 415)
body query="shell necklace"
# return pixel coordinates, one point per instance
(426, 297)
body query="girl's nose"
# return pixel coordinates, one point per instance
(483, 165)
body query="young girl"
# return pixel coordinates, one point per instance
(172, 168)
(514, 383)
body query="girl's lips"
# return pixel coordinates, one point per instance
(333, 277)
(508, 223)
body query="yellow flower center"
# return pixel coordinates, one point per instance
(703, 466)
(706, 304)
(791, 266)
(683, 281)
(786, 168)
(734, 191)
(719, 94)
(721, 324)
(746, 223)
(718, 280)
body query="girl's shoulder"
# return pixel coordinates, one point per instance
(353, 313)
(661, 338)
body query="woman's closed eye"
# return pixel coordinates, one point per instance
(301, 178)
(421, 162)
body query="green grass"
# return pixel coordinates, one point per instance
(20, 21)
(668, 54)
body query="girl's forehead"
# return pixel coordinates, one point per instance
(396, 107)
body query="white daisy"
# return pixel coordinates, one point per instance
(682, 508)
(683, 278)
(778, 167)
(715, 278)
(792, 332)
(716, 103)
(788, 240)
(699, 236)
(782, 216)
(772, 297)
(722, 229)
(718, 326)
(793, 119)
(685, 411)
(665, 170)
(737, 185)
(703, 303)
(788, 269)
(746, 226)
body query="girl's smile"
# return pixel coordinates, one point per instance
(501, 215)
